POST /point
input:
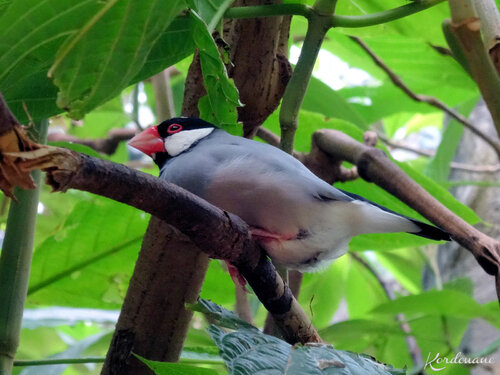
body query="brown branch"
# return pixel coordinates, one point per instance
(220, 234)
(374, 166)
(494, 143)
(106, 146)
(455, 165)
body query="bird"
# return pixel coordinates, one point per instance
(301, 221)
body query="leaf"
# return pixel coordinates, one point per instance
(438, 168)
(325, 360)
(252, 352)
(165, 368)
(220, 103)
(322, 99)
(210, 11)
(321, 292)
(224, 317)
(31, 31)
(405, 265)
(439, 302)
(174, 44)
(88, 261)
(108, 51)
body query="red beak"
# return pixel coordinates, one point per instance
(148, 141)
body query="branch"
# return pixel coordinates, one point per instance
(427, 153)
(466, 27)
(106, 146)
(374, 166)
(220, 234)
(335, 20)
(297, 87)
(494, 143)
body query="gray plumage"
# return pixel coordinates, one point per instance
(273, 192)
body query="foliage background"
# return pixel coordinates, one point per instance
(86, 245)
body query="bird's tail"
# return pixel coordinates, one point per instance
(429, 231)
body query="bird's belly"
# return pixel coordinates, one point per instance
(260, 207)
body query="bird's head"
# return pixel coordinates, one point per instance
(171, 137)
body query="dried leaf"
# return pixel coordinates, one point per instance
(11, 173)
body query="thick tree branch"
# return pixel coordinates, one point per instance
(374, 166)
(494, 143)
(220, 234)
(465, 25)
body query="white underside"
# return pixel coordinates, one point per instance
(330, 232)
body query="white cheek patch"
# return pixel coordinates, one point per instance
(180, 142)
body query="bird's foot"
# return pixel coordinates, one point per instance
(236, 276)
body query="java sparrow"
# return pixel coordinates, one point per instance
(301, 221)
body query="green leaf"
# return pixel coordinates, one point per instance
(438, 168)
(174, 44)
(325, 360)
(322, 99)
(107, 53)
(210, 11)
(166, 368)
(405, 265)
(88, 261)
(31, 31)
(224, 317)
(363, 290)
(252, 352)
(321, 292)
(439, 302)
(220, 103)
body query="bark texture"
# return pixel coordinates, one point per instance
(260, 67)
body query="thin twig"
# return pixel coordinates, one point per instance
(494, 143)
(494, 168)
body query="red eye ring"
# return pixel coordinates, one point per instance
(174, 128)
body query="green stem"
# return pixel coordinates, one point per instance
(384, 16)
(325, 7)
(296, 88)
(72, 361)
(15, 262)
(59, 361)
(336, 20)
(269, 11)
(222, 8)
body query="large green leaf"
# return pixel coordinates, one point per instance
(252, 352)
(322, 99)
(31, 31)
(165, 368)
(439, 166)
(174, 44)
(440, 302)
(104, 56)
(222, 99)
(322, 292)
(88, 261)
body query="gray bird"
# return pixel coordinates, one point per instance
(300, 220)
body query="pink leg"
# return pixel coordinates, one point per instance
(236, 276)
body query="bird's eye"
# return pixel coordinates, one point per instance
(174, 128)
